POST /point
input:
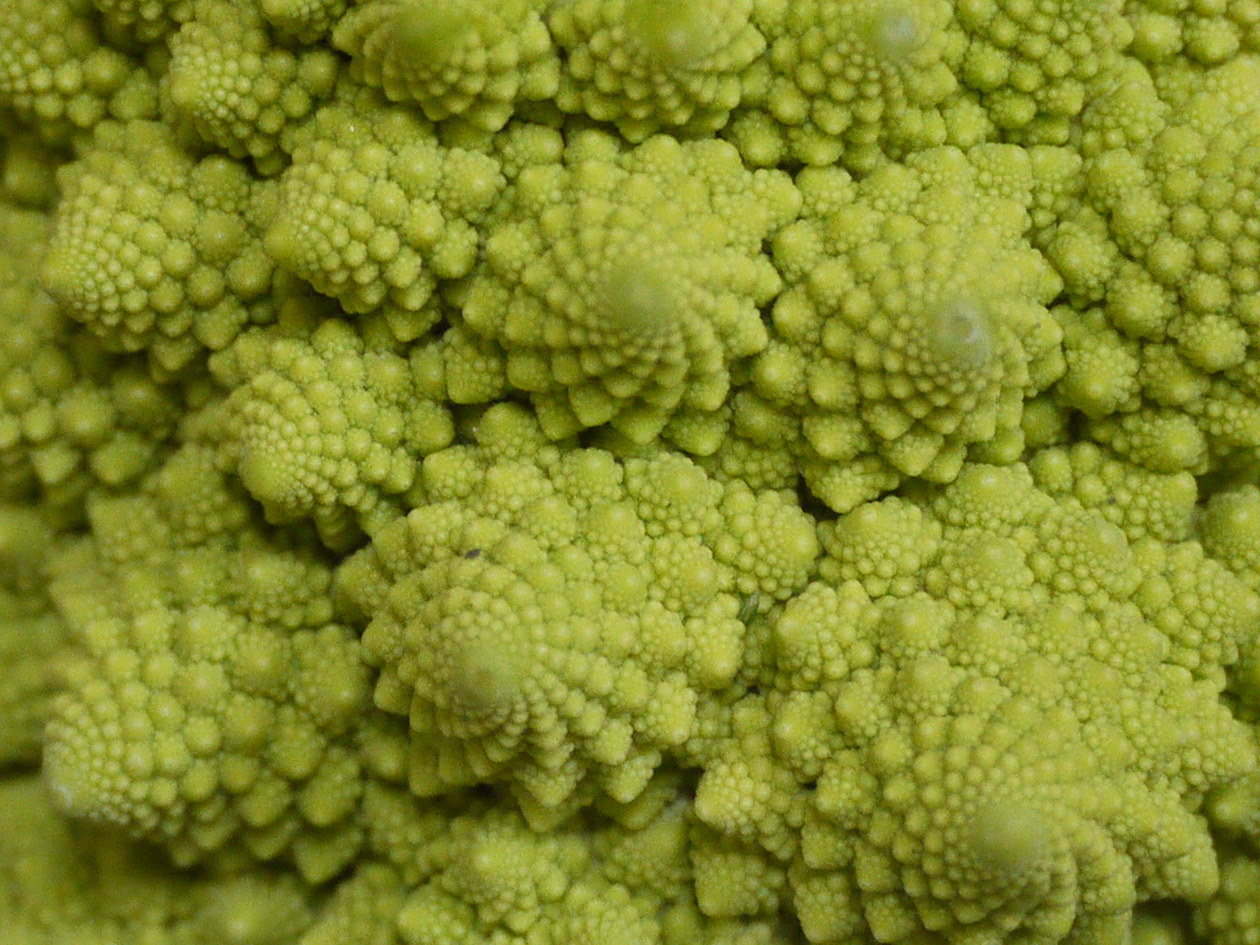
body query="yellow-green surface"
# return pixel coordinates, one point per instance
(618, 472)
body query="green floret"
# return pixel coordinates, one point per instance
(28, 166)
(329, 426)
(306, 21)
(995, 716)
(550, 618)
(373, 211)
(1036, 65)
(1232, 915)
(1230, 532)
(849, 80)
(72, 416)
(1166, 244)
(1208, 33)
(492, 878)
(629, 472)
(916, 325)
(235, 89)
(758, 465)
(1140, 502)
(215, 703)
(623, 285)
(881, 545)
(154, 250)
(477, 872)
(142, 21)
(363, 908)
(35, 644)
(57, 74)
(62, 882)
(645, 65)
(1230, 535)
(865, 81)
(474, 60)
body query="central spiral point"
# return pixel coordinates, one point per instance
(959, 332)
(638, 298)
(674, 34)
(429, 31)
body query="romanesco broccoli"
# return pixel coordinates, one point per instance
(621, 472)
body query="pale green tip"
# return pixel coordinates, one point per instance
(428, 31)
(1010, 839)
(639, 299)
(59, 278)
(266, 479)
(282, 244)
(674, 33)
(481, 680)
(959, 333)
(893, 31)
(67, 776)
(183, 90)
(64, 786)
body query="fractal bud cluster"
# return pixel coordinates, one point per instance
(629, 472)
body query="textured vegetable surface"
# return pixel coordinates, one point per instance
(629, 472)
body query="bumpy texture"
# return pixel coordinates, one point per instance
(941, 721)
(62, 882)
(1166, 244)
(1209, 33)
(1141, 502)
(72, 416)
(327, 427)
(143, 21)
(1229, 534)
(1035, 66)
(35, 643)
(650, 64)
(485, 876)
(452, 57)
(156, 251)
(550, 617)
(56, 73)
(235, 89)
(215, 700)
(629, 472)
(304, 21)
(852, 80)
(622, 285)
(1232, 915)
(916, 325)
(373, 211)
(622, 877)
